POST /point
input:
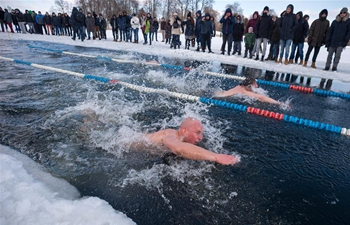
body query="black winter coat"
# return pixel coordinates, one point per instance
(339, 33)
(48, 19)
(288, 26)
(264, 27)
(238, 30)
(276, 33)
(28, 18)
(302, 30)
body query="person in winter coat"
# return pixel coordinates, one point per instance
(206, 32)
(40, 20)
(135, 25)
(252, 23)
(67, 26)
(263, 32)
(78, 20)
(175, 23)
(148, 29)
(162, 28)
(114, 24)
(317, 36)
(213, 26)
(249, 41)
(189, 30)
(238, 30)
(48, 23)
(128, 33)
(90, 26)
(2, 15)
(29, 21)
(275, 38)
(168, 33)
(299, 37)
(288, 26)
(8, 20)
(21, 20)
(122, 27)
(55, 23)
(101, 22)
(15, 21)
(337, 38)
(227, 21)
(155, 28)
(198, 29)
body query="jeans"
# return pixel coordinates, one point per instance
(237, 46)
(122, 34)
(300, 47)
(317, 50)
(136, 34)
(285, 44)
(258, 42)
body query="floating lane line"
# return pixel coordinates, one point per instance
(302, 89)
(209, 101)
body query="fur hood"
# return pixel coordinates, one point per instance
(346, 17)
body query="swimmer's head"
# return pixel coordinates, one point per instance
(248, 83)
(191, 130)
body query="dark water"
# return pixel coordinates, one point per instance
(79, 130)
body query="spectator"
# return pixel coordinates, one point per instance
(275, 38)
(135, 25)
(264, 31)
(8, 20)
(317, 37)
(337, 38)
(238, 30)
(162, 28)
(21, 20)
(175, 23)
(90, 26)
(227, 22)
(189, 30)
(288, 26)
(299, 38)
(198, 29)
(114, 24)
(155, 28)
(249, 41)
(206, 32)
(48, 23)
(15, 21)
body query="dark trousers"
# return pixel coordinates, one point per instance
(206, 40)
(226, 38)
(248, 49)
(309, 50)
(115, 33)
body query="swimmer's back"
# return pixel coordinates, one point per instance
(157, 137)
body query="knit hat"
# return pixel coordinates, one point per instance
(250, 29)
(189, 14)
(266, 8)
(344, 10)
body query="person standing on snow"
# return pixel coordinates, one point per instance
(317, 37)
(227, 21)
(288, 26)
(337, 38)
(263, 32)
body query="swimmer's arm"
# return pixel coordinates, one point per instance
(262, 97)
(225, 93)
(190, 151)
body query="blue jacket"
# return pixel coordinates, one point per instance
(40, 19)
(228, 23)
(121, 22)
(339, 33)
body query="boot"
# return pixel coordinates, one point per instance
(301, 62)
(280, 60)
(257, 57)
(268, 58)
(286, 62)
(334, 69)
(289, 62)
(305, 63)
(326, 68)
(197, 49)
(313, 65)
(262, 58)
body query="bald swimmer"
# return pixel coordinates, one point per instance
(182, 142)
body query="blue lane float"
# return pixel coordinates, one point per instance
(215, 102)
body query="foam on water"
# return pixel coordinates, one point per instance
(31, 196)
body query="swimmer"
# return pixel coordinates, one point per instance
(245, 88)
(182, 142)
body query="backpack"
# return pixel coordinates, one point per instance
(176, 24)
(79, 17)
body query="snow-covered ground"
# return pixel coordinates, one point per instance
(160, 48)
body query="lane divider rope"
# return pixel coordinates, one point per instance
(224, 104)
(303, 89)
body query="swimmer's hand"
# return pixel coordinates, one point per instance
(226, 159)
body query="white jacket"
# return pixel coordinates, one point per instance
(135, 22)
